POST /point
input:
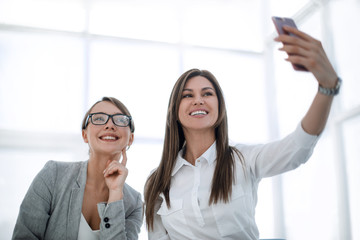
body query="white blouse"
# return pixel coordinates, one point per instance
(191, 217)
(85, 231)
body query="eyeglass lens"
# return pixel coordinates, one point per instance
(118, 119)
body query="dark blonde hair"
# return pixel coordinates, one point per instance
(160, 180)
(117, 104)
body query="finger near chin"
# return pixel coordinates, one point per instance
(124, 161)
(124, 158)
(109, 171)
(113, 164)
(108, 162)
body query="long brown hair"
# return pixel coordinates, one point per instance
(160, 180)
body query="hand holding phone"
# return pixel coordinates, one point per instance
(279, 22)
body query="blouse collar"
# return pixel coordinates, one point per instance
(209, 155)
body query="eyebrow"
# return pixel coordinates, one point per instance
(107, 113)
(203, 89)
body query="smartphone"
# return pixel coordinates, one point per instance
(279, 22)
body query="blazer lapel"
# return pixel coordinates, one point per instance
(75, 204)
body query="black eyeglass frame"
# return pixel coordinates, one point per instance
(109, 116)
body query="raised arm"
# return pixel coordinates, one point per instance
(307, 51)
(124, 206)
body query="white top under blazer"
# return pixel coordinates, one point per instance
(85, 231)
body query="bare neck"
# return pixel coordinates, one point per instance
(197, 143)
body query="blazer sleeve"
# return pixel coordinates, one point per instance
(120, 222)
(35, 208)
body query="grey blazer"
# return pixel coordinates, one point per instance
(52, 206)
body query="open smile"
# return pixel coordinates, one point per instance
(198, 112)
(109, 137)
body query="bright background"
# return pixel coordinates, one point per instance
(57, 57)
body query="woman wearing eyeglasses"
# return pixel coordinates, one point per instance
(89, 199)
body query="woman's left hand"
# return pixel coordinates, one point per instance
(309, 52)
(115, 175)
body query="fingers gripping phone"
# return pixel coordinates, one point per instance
(279, 22)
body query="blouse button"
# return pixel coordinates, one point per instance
(107, 225)
(106, 219)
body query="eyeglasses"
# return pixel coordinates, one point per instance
(119, 119)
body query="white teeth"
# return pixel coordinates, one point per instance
(198, 113)
(108, 138)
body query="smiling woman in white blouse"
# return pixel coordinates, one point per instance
(89, 199)
(205, 189)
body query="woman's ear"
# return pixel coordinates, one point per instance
(84, 135)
